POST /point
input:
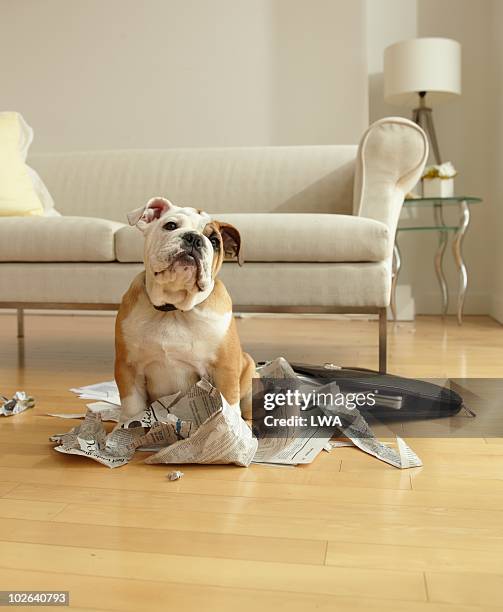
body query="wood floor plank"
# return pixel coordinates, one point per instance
(301, 498)
(202, 480)
(470, 466)
(326, 492)
(39, 510)
(160, 501)
(460, 446)
(134, 595)
(301, 578)
(472, 588)
(375, 499)
(423, 481)
(150, 503)
(391, 479)
(94, 476)
(417, 558)
(495, 443)
(169, 541)
(340, 524)
(153, 479)
(5, 487)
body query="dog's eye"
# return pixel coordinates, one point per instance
(215, 243)
(170, 226)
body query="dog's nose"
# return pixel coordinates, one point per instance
(194, 240)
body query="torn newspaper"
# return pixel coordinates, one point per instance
(294, 446)
(302, 445)
(20, 402)
(201, 427)
(91, 440)
(108, 412)
(105, 391)
(197, 427)
(222, 438)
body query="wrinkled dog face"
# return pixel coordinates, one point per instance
(183, 246)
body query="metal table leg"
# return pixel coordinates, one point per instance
(439, 256)
(383, 340)
(397, 264)
(20, 323)
(458, 257)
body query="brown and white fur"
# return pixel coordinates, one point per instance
(159, 353)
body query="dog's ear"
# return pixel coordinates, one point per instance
(153, 210)
(231, 241)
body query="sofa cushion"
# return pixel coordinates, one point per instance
(57, 239)
(289, 237)
(267, 286)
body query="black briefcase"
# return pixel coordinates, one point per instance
(396, 398)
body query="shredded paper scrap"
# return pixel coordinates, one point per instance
(304, 445)
(201, 427)
(20, 402)
(198, 427)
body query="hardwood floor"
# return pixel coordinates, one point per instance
(344, 533)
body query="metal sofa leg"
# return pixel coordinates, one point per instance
(383, 340)
(20, 323)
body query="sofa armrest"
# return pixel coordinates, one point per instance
(390, 160)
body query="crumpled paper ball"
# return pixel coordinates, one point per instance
(20, 401)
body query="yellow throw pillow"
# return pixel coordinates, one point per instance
(17, 195)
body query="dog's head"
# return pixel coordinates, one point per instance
(184, 247)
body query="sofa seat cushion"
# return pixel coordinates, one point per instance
(296, 237)
(266, 285)
(39, 239)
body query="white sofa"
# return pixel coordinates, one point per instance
(317, 222)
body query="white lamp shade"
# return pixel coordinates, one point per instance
(432, 65)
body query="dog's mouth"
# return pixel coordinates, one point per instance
(186, 259)
(183, 258)
(190, 258)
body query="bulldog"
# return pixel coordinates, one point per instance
(175, 323)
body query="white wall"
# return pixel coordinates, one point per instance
(465, 128)
(98, 74)
(388, 21)
(496, 167)
(465, 131)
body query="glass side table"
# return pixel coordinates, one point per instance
(459, 231)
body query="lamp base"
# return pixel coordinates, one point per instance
(423, 116)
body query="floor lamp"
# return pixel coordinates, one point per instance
(425, 68)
